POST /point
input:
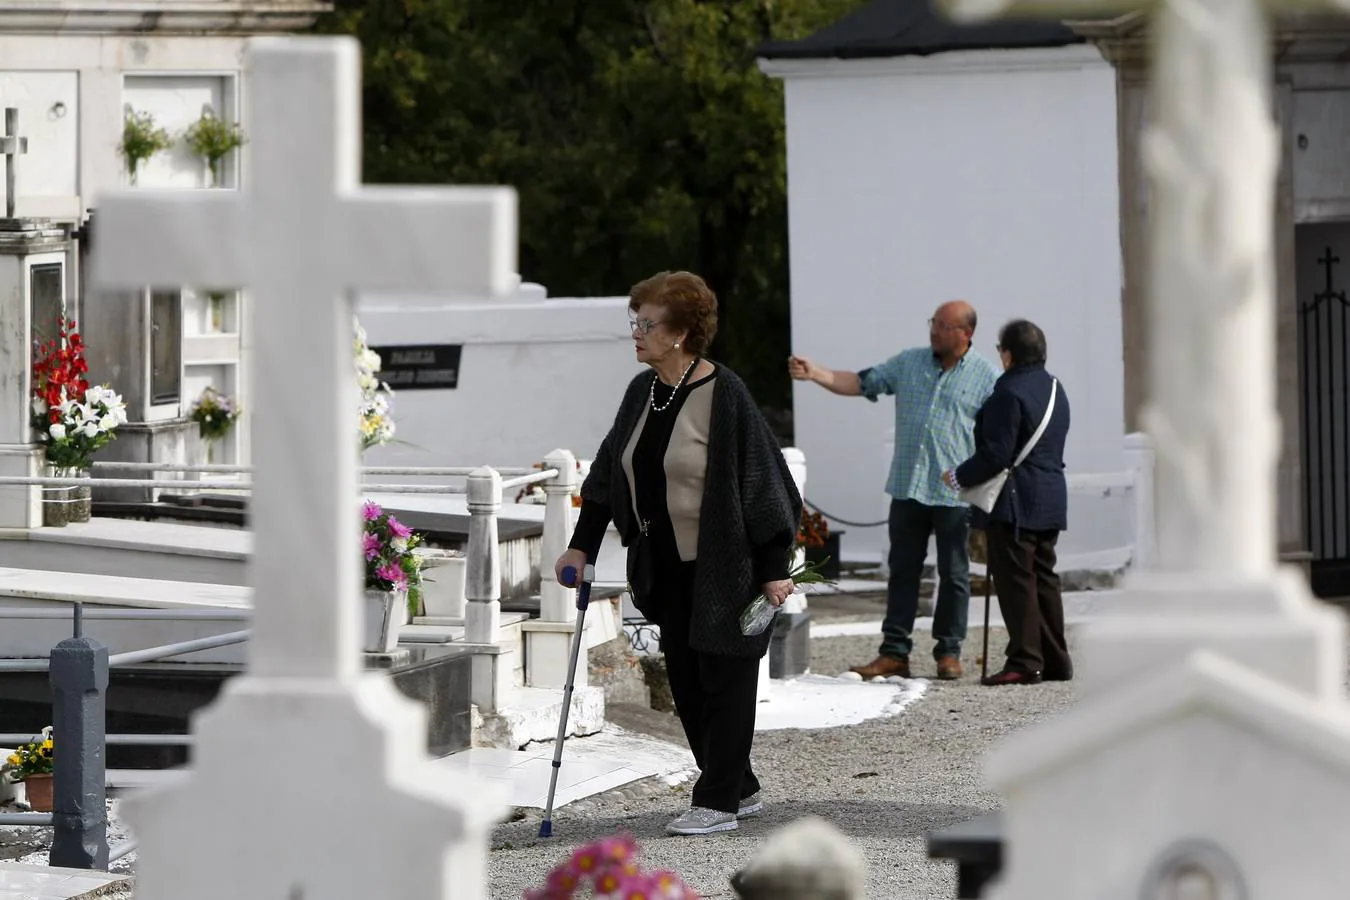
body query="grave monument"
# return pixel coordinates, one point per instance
(1214, 704)
(302, 237)
(33, 254)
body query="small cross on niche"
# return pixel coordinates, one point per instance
(1328, 262)
(12, 146)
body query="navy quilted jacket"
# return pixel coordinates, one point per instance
(1036, 496)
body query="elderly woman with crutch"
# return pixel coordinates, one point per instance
(1015, 483)
(701, 496)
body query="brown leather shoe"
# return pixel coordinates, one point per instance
(949, 668)
(884, 666)
(1011, 676)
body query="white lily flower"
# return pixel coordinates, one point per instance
(57, 431)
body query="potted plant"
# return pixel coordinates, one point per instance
(393, 587)
(32, 764)
(819, 543)
(212, 139)
(377, 425)
(141, 140)
(72, 421)
(609, 868)
(214, 414)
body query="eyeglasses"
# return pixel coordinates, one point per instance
(943, 326)
(643, 325)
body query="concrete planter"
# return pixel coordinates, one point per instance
(443, 585)
(383, 612)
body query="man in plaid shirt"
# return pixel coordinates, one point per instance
(938, 390)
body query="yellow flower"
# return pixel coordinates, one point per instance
(14, 760)
(47, 744)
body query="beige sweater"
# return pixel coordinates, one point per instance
(686, 464)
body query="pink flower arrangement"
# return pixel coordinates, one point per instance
(387, 548)
(610, 866)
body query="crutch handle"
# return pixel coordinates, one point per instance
(569, 574)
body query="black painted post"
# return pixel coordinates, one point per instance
(79, 677)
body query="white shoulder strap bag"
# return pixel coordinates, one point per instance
(986, 495)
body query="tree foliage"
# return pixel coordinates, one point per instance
(640, 135)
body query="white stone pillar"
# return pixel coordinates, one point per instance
(483, 584)
(796, 461)
(557, 603)
(548, 639)
(492, 669)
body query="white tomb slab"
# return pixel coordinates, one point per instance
(302, 238)
(1219, 702)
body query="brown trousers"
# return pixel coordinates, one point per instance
(1029, 597)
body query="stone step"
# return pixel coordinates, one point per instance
(21, 881)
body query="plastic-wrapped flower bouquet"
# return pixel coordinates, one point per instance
(608, 869)
(377, 425)
(214, 414)
(73, 420)
(391, 564)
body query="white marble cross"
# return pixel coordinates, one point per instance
(308, 781)
(11, 146)
(301, 238)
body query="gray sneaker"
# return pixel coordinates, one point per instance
(702, 821)
(750, 806)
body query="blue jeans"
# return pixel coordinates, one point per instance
(910, 524)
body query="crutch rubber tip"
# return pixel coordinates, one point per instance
(546, 829)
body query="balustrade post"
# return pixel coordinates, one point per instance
(483, 585)
(491, 671)
(79, 679)
(557, 603)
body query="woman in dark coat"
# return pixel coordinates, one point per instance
(702, 498)
(1032, 509)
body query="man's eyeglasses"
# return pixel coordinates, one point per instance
(943, 326)
(643, 325)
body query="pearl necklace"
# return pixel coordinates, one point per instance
(651, 394)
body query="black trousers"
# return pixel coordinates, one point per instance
(715, 698)
(1023, 566)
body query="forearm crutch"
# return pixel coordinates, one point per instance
(583, 600)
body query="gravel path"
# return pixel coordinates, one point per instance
(885, 783)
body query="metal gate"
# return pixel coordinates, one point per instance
(1324, 335)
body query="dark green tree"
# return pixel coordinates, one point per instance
(640, 135)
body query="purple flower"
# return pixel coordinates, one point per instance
(371, 511)
(394, 575)
(398, 529)
(372, 545)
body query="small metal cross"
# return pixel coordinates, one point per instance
(11, 145)
(1328, 262)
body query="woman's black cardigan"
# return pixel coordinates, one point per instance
(747, 523)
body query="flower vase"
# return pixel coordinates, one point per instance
(39, 791)
(443, 592)
(383, 613)
(81, 498)
(56, 501)
(217, 302)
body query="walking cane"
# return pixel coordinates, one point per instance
(984, 657)
(583, 600)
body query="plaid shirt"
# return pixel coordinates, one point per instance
(934, 418)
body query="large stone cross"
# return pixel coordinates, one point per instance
(301, 237)
(1212, 154)
(12, 146)
(352, 805)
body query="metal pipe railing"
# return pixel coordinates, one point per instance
(121, 850)
(214, 615)
(532, 478)
(128, 740)
(224, 468)
(164, 651)
(26, 818)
